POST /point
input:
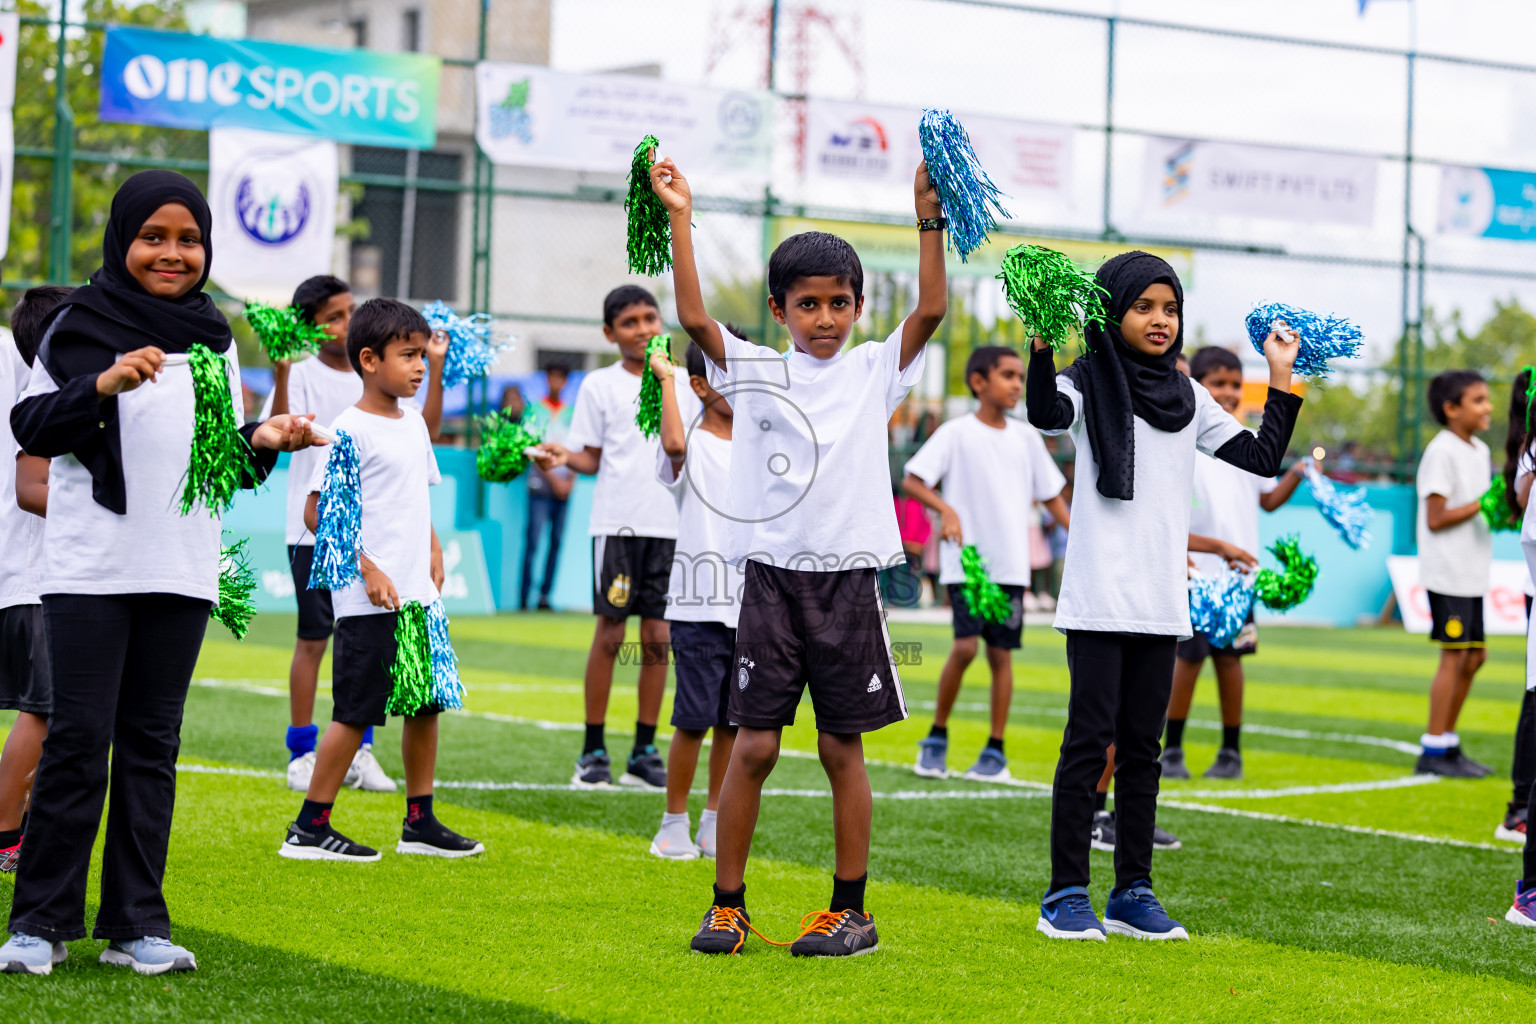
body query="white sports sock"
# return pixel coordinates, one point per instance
(1431, 742)
(1451, 739)
(707, 817)
(667, 820)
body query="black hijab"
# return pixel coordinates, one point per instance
(113, 314)
(1117, 382)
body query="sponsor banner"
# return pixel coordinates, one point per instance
(466, 581)
(186, 81)
(532, 116)
(10, 39)
(1503, 605)
(878, 145)
(274, 210)
(1485, 202)
(10, 42)
(1229, 180)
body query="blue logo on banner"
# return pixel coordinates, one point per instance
(1489, 202)
(271, 215)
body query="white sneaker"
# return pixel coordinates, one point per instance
(366, 772)
(705, 840)
(1031, 602)
(299, 771)
(672, 843)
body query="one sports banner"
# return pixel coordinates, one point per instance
(531, 116)
(274, 210)
(1185, 177)
(1485, 202)
(186, 81)
(1503, 605)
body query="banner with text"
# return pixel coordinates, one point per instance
(535, 117)
(10, 38)
(274, 210)
(1503, 605)
(1223, 179)
(1485, 202)
(185, 81)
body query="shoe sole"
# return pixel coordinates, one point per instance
(1176, 845)
(1002, 776)
(388, 787)
(1180, 776)
(1511, 915)
(1130, 931)
(1050, 931)
(1223, 775)
(120, 959)
(836, 956)
(634, 780)
(17, 967)
(1509, 835)
(428, 850)
(656, 852)
(1105, 847)
(580, 783)
(930, 773)
(315, 853)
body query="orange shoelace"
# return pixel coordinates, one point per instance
(732, 919)
(821, 922)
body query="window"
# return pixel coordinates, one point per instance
(359, 28)
(412, 247)
(411, 37)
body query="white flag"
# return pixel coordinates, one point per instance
(274, 211)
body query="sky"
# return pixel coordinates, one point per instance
(982, 59)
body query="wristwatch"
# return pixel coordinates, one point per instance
(931, 223)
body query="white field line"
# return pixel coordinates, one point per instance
(1362, 830)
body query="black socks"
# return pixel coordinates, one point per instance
(645, 736)
(848, 895)
(9, 838)
(594, 740)
(418, 811)
(1175, 735)
(1231, 736)
(995, 744)
(1101, 801)
(315, 815)
(939, 732)
(736, 899)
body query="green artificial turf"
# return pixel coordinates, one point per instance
(567, 916)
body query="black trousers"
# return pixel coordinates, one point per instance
(1120, 687)
(1523, 773)
(121, 668)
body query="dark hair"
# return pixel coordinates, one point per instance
(378, 322)
(735, 331)
(28, 314)
(1449, 387)
(1212, 358)
(984, 360)
(309, 296)
(560, 368)
(1518, 440)
(693, 359)
(813, 254)
(625, 295)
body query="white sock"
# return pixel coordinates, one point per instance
(1431, 742)
(1451, 740)
(707, 817)
(668, 820)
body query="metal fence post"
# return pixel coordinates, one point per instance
(1109, 124)
(61, 214)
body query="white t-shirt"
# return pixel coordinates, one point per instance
(1528, 547)
(810, 476)
(1524, 468)
(628, 498)
(703, 586)
(153, 548)
(317, 388)
(22, 554)
(1226, 507)
(1125, 569)
(396, 466)
(991, 477)
(1457, 559)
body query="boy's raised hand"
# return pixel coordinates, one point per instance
(381, 589)
(670, 186)
(661, 366)
(1280, 350)
(927, 197)
(437, 350)
(1237, 558)
(131, 369)
(286, 433)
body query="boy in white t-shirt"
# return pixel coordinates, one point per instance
(811, 523)
(992, 468)
(401, 561)
(693, 461)
(1455, 555)
(1226, 507)
(634, 532)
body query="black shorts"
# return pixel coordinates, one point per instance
(316, 620)
(1198, 647)
(360, 662)
(1457, 621)
(702, 655)
(630, 574)
(26, 681)
(822, 629)
(1006, 636)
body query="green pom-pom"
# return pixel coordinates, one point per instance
(503, 439)
(986, 599)
(650, 232)
(1051, 294)
(219, 454)
(237, 582)
(1496, 510)
(648, 415)
(411, 672)
(283, 333)
(1280, 591)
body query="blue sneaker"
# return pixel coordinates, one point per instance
(1522, 913)
(991, 766)
(931, 753)
(1067, 914)
(27, 954)
(149, 955)
(1134, 911)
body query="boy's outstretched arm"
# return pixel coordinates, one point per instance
(432, 407)
(1283, 490)
(674, 433)
(949, 519)
(932, 284)
(1235, 556)
(672, 188)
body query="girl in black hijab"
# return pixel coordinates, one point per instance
(1137, 422)
(127, 581)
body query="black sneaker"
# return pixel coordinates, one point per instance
(324, 844)
(647, 769)
(545, 606)
(11, 856)
(1445, 766)
(1512, 830)
(1103, 835)
(1482, 770)
(724, 931)
(845, 933)
(1173, 763)
(1162, 839)
(431, 838)
(1228, 765)
(592, 771)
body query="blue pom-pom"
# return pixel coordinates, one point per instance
(1321, 337)
(340, 512)
(447, 690)
(473, 348)
(1346, 510)
(966, 193)
(1219, 606)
